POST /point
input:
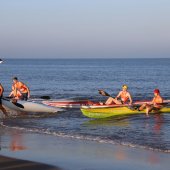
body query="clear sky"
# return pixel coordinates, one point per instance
(84, 28)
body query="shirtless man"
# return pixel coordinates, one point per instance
(1, 95)
(155, 105)
(22, 88)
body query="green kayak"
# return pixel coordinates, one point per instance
(115, 111)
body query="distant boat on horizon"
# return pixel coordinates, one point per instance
(1, 61)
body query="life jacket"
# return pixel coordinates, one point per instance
(124, 96)
(21, 87)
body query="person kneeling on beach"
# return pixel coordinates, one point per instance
(122, 97)
(156, 104)
(1, 95)
(22, 88)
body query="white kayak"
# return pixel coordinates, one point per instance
(27, 106)
(1, 61)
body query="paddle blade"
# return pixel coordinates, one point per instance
(45, 97)
(18, 105)
(14, 101)
(103, 93)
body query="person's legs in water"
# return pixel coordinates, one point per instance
(24, 96)
(3, 109)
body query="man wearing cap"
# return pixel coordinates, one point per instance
(156, 103)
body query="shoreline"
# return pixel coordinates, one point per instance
(71, 154)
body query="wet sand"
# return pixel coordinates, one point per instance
(7, 163)
(73, 154)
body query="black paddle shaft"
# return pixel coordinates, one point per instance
(14, 102)
(103, 93)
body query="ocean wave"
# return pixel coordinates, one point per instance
(85, 137)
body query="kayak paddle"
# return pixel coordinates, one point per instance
(103, 93)
(14, 102)
(45, 97)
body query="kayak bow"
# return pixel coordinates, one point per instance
(27, 106)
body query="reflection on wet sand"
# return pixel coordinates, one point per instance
(121, 155)
(16, 142)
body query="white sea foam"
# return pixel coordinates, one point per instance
(82, 137)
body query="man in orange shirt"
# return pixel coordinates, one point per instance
(22, 88)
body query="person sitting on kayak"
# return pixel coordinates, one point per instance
(22, 88)
(1, 95)
(123, 95)
(15, 94)
(156, 103)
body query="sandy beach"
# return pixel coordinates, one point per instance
(17, 164)
(71, 154)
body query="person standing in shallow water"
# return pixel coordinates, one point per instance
(1, 95)
(22, 88)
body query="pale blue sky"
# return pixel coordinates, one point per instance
(84, 28)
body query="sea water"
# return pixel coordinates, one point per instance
(81, 79)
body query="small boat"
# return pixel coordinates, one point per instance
(66, 103)
(117, 110)
(98, 105)
(99, 113)
(27, 106)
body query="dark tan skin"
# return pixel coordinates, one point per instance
(1, 107)
(16, 81)
(155, 103)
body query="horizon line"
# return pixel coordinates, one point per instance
(88, 58)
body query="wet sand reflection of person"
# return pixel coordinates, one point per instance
(17, 142)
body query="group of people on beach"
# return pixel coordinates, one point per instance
(19, 91)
